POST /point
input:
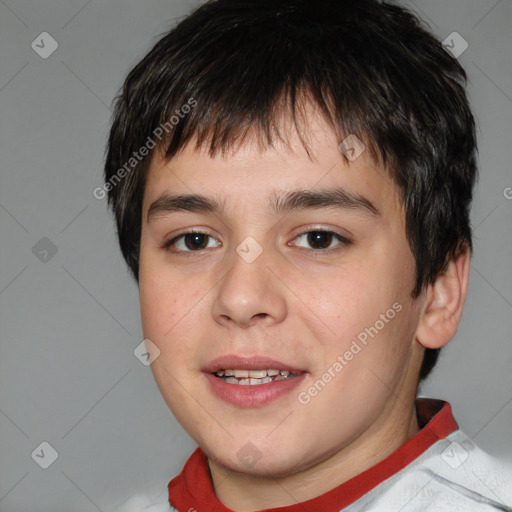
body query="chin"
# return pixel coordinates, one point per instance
(251, 461)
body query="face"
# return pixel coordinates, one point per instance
(282, 262)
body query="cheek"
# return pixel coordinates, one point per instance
(169, 304)
(345, 301)
(376, 356)
(364, 312)
(158, 305)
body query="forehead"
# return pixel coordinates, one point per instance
(251, 173)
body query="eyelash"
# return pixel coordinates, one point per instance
(343, 241)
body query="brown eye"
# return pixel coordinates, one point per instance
(195, 241)
(190, 242)
(322, 240)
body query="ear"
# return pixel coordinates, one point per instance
(444, 303)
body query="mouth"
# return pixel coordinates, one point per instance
(248, 382)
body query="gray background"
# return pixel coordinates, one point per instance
(70, 321)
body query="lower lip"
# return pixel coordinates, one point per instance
(256, 395)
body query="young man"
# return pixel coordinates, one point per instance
(291, 182)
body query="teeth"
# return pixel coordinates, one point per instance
(257, 374)
(251, 382)
(253, 377)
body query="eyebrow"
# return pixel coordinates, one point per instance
(337, 198)
(334, 198)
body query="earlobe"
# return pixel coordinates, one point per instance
(445, 300)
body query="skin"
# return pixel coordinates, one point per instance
(295, 303)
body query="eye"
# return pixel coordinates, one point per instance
(192, 241)
(322, 240)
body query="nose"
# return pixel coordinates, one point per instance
(249, 294)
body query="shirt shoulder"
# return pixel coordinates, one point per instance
(453, 474)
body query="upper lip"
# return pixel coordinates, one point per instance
(232, 362)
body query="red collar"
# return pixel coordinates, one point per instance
(192, 488)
